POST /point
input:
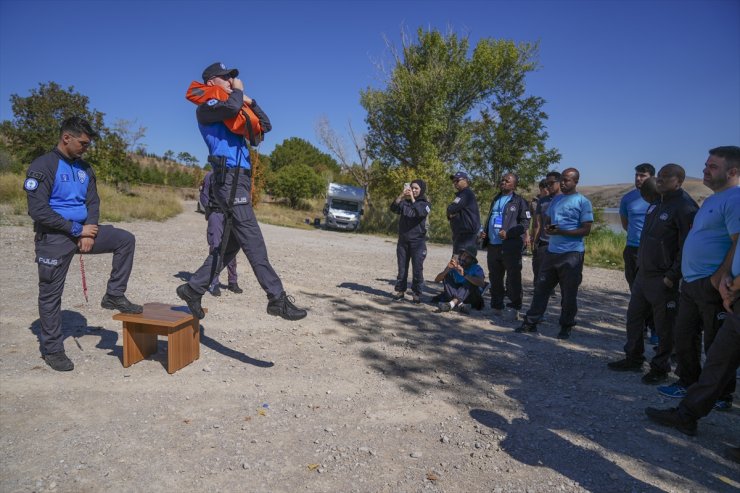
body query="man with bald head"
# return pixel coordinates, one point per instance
(507, 221)
(658, 272)
(568, 222)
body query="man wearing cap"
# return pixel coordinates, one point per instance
(569, 220)
(462, 282)
(506, 223)
(232, 191)
(540, 238)
(463, 213)
(64, 204)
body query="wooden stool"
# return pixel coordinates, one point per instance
(140, 333)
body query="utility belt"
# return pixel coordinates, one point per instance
(218, 163)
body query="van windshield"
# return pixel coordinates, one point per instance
(344, 205)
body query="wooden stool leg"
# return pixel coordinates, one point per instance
(137, 344)
(181, 347)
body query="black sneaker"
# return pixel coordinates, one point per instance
(625, 364)
(234, 288)
(671, 417)
(189, 296)
(526, 327)
(283, 306)
(59, 361)
(120, 303)
(654, 377)
(564, 333)
(216, 291)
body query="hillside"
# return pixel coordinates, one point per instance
(610, 195)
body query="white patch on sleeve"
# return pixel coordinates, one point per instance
(456, 201)
(31, 184)
(428, 209)
(529, 216)
(212, 102)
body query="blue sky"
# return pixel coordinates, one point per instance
(625, 81)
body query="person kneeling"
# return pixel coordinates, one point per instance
(463, 280)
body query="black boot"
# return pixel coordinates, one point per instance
(673, 418)
(189, 296)
(59, 361)
(234, 288)
(120, 303)
(283, 306)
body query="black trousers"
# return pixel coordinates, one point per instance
(700, 311)
(247, 236)
(566, 269)
(651, 298)
(538, 253)
(719, 370)
(54, 253)
(414, 251)
(630, 273)
(505, 263)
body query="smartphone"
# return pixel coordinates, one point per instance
(407, 185)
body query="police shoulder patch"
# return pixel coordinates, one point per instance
(35, 174)
(211, 102)
(528, 214)
(456, 201)
(31, 184)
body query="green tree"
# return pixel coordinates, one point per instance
(187, 158)
(111, 162)
(299, 151)
(34, 129)
(169, 155)
(296, 182)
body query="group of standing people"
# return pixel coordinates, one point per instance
(562, 220)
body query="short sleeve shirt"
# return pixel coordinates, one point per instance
(569, 212)
(710, 239)
(633, 207)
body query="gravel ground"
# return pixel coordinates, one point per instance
(365, 394)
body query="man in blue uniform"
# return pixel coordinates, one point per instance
(540, 238)
(64, 205)
(507, 221)
(230, 155)
(706, 258)
(214, 232)
(569, 220)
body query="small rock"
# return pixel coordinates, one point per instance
(416, 455)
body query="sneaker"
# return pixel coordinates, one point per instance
(234, 288)
(216, 291)
(463, 308)
(443, 306)
(674, 390)
(526, 327)
(398, 295)
(283, 306)
(564, 333)
(625, 364)
(671, 417)
(723, 405)
(59, 361)
(120, 303)
(415, 298)
(654, 377)
(192, 298)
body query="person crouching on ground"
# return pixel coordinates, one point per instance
(462, 280)
(413, 207)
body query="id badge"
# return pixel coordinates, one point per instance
(498, 221)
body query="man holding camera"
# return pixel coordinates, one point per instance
(232, 186)
(462, 281)
(568, 222)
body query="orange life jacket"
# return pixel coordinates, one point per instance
(244, 123)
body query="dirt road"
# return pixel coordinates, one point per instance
(365, 394)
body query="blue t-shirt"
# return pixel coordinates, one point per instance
(474, 270)
(709, 239)
(569, 212)
(736, 261)
(497, 218)
(633, 207)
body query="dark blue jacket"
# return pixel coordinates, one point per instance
(62, 194)
(413, 222)
(463, 213)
